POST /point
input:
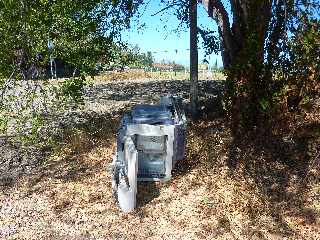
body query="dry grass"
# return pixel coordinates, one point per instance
(207, 198)
(141, 74)
(126, 75)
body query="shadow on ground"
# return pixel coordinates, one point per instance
(148, 91)
(200, 195)
(283, 172)
(147, 191)
(76, 142)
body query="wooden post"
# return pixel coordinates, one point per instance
(193, 59)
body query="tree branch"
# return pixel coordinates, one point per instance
(217, 11)
(239, 21)
(166, 8)
(163, 9)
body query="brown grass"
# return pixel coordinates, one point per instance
(126, 75)
(141, 74)
(209, 197)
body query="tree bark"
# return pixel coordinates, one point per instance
(193, 59)
(243, 53)
(217, 11)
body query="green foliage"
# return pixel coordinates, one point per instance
(281, 66)
(73, 88)
(210, 41)
(297, 77)
(3, 123)
(264, 104)
(127, 56)
(144, 60)
(305, 55)
(81, 33)
(31, 134)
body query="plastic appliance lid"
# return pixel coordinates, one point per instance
(151, 114)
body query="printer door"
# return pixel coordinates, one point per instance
(127, 187)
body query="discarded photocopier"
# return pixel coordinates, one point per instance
(149, 143)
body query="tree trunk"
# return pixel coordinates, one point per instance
(193, 59)
(243, 53)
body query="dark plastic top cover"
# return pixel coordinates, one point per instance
(151, 114)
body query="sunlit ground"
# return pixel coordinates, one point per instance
(223, 189)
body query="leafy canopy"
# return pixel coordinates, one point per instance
(82, 31)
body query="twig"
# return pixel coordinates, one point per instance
(170, 6)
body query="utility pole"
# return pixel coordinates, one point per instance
(193, 59)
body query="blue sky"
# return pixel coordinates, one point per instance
(157, 36)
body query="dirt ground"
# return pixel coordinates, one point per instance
(221, 190)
